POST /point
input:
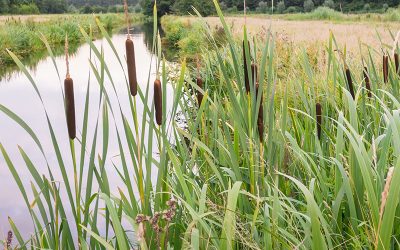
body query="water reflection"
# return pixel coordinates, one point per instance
(17, 94)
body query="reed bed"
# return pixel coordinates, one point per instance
(313, 168)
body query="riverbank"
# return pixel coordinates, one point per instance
(23, 34)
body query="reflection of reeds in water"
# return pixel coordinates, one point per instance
(69, 98)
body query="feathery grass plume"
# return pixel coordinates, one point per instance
(384, 197)
(385, 68)
(367, 82)
(69, 97)
(396, 62)
(385, 191)
(130, 56)
(246, 72)
(350, 82)
(158, 101)
(199, 82)
(318, 109)
(260, 118)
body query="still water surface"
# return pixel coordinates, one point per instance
(17, 94)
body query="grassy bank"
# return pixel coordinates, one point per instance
(281, 149)
(24, 36)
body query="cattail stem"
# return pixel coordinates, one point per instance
(126, 10)
(385, 68)
(350, 83)
(158, 101)
(318, 109)
(367, 82)
(69, 97)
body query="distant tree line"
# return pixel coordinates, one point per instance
(63, 6)
(206, 7)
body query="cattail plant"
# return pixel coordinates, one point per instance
(130, 56)
(350, 82)
(199, 82)
(158, 101)
(367, 82)
(246, 72)
(385, 68)
(318, 109)
(396, 62)
(260, 118)
(69, 98)
(9, 240)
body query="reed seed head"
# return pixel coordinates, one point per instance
(158, 101)
(397, 63)
(199, 82)
(70, 107)
(350, 83)
(385, 68)
(385, 192)
(318, 109)
(131, 64)
(367, 82)
(246, 72)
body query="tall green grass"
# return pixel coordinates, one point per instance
(217, 186)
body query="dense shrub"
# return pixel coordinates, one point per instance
(329, 4)
(280, 7)
(308, 5)
(263, 7)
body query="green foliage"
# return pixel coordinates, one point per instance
(308, 5)
(263, 7)
(184, 7)
(329, 4)
(280, 7)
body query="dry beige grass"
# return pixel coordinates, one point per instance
(348, 34)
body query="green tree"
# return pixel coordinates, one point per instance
(204, 7)
(4, 6)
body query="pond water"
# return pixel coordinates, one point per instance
(18, 95)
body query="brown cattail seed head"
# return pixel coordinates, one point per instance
(397, 63)
(70, 107)
(130, 60)
(199, 82)
(318, 109)
(246, 72)
(367, 82)
(260, 118)
(158, 101)
(254, 73)
(350, 83)
(385, 68)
